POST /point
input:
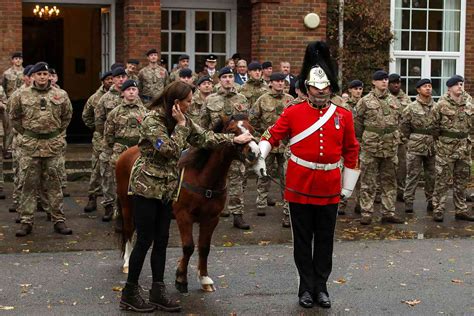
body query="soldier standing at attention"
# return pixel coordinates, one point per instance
(226, 102)
(152, 79)
(255, 86)
(263, 114)
(453, 122)
(417, 127)
(89, 120)
(132, 69)
(204, 89)
(40, 114)
(376, 123)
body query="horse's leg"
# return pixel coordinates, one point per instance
(206, 229)
(126, 256)
(185, 225)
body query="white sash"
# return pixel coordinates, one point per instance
(313, 128)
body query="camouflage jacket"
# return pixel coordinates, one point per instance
(132, 76)
(417, 126)
(174, 76)
(217, 87)
(376, 121)
(403, 99)
(152, 80)
(12, 80)
(254, 89)
(88, 112)
(351, 104)
(41, 116)
(3, 108)
(106, 104)
(155, 174)
(122, 127)
(194, 111)
(454, 123)
(222, 103)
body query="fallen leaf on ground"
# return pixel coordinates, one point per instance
(412, 302)
(457, 281)
(264, 242)
(228, 244)
(6, 308)
(340, 281)
(117, 288)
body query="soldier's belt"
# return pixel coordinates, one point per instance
(424, 131)
(146, 98)
(381, 131)
(127, 141)
(315, 165)
(450, 134)
(41, 136)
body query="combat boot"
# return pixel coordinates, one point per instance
(159, 298)
(271, 201)
(394, 219)
(109, 212)
(2, 195)
(132, 300)
(408, 208)
(239, 222)
(261, 211)
(366, 220)
(12, 209)
(438, 216)
(285, 222)
(341, 211)
(91, 204)
(465, 216)
(358, 209)
(61, 228)
(25, 229)
(225, 213)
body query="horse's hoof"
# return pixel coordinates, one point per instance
(125, 270)
(181, 287)
(208, 287)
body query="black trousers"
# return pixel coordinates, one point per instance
(152, 219)
(313, 239)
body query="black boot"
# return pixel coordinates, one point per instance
(2, 195)
(109, 212)
(24, 230)
(91, 204)
(132, 300)
(61, 228)
(239, 222)
(12, 209)
(159, 298)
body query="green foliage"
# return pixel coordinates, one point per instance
(367, 38)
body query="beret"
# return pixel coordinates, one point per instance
(236, 56)
(39, 66)
(105, 75)
(129, 83)
(151, 51)
(277, 76)
(133, 61)
(118, 72)
(266, 64)
(185, 72)
(225, 71)
(26, 70)
(163, 60)
(184, 56)
(116, 65)
(211, 57)
(52, 71)
(422, 82)
(254, 65)
(17, 54)
(203, 79)
(454, 80)
(380, 75)
(393, 78)
(355, 84)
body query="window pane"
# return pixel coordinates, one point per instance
(178, 20)
(435, 67)
(174, 61)
(406, 3)
(436, 84)
(414, 67)
(202, 43)
(451, 42)
(449, 68)
(218, 21)
(452, 20)
(419, 3)
(164, 19)
(220, 61)
(403, 67)
(218, 43)
(406, 40)
(418, 21)
(418, 41)
(178, 42)
(411, 86)
(202, 21)
(398, 40)
(453, 4)
(200, 62)
(436, 4)
(406, 19)
(435, 41)
(435, 20)
(164, 42)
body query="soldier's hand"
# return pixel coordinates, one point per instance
(243, 138)
(345, 194)
(178, 115)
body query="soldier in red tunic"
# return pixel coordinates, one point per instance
(321, 136)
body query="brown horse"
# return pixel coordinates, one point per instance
(201, 200)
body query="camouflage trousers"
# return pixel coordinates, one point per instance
(95, 180)
(402, 168)
(459, 171)
(371, 169)
(40, 174)
(1, 163)
(62, 168)
(235, 186)
(416, 164)
(263, 184)
(107, 176)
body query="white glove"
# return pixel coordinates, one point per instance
(345, 194)
(260, 167)
(349, 181)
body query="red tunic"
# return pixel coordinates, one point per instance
(327, 145)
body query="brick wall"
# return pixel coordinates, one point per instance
(278, 32)
(469, 54)
(119, 56)
(11, 26)
(244, 29)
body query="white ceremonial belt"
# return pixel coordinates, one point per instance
(315, 165)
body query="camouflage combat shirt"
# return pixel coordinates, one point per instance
(220, 104)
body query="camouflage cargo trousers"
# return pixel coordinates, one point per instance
(41, 174)
(107, 176)
(236, 187)
(459, 171)
(402, 168)
(95, 179)
(62, 168)
(372, 169)
(416, 165)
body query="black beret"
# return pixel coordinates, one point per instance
(133, 61)
(129, 83)
(254, 65)
(118, 72)
(116, 65)
(266, 64)
(380, 75)
(184, 56)
(17, 54)
(454, 80)
(355, 84)
(163, 60)
(105, 75)
(394, 78)
(185, 73)
(236, 56)
(211, 57)
(26, 70)
(39, 66)
(203, 79)
(52, 71)
(277, 76)
(151, 51)
(422, 82)
(225, 71)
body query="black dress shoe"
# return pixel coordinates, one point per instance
(323, 300)
(306, 300)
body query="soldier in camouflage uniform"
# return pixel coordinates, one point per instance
(132, 69)
(417, 127)
(106, 104)
(263, 114)
(183, 63)
(204, 89)
(152, 79)
(255, 86)
(40, 114)
(394, 85)
(89, 120)
(454, 123)
(3, 113)
(227, 102)
(267, 70)
(186, 75)
(376, 124)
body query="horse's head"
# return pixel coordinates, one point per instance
(239, 124)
